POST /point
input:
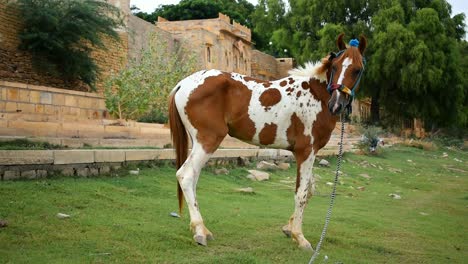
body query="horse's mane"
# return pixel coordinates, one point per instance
(316, 70)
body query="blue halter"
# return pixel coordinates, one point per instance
(343, 88)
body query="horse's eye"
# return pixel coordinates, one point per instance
(334, 67)
(356, 72)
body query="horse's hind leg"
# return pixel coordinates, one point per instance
(188, 176)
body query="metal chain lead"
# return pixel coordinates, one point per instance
(333, 194)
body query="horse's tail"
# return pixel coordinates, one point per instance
(179, 141)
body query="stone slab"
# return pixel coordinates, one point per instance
(135, 154)
(234, 153)
(20, 157)
(109, 155)
(73, 156)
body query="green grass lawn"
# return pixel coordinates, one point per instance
(125, 219)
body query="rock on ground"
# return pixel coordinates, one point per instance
(62, 216)
(3, 223)
(258, 175)
(395, 196)
(365, 175)
(245, 190)
(221, 171)
(263, 165)
(324, 163)
(284, 166)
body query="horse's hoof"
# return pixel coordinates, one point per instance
(306, 246)
(210, 237)
(201, 240)
(286, 230)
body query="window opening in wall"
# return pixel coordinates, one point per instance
(208, 54)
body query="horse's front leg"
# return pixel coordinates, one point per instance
(304, 188)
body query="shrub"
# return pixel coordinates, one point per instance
(370, 139)
(140, 90)
(60, 35)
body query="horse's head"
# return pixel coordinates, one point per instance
(344, 73)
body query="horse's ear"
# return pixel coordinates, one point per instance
(340, 42)
(362, 44)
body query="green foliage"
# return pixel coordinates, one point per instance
(60, 35)
(154, 116)
(238, 10)
(25, 144)
(417, 55)
(267, 16)
(140, 90)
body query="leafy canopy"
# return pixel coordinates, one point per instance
(239, 10)
(60, 35)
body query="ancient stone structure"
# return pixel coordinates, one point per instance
(220, 44)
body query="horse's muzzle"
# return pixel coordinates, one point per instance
(337, 102)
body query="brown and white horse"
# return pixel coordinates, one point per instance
(296, 113)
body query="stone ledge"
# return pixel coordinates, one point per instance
(73, 156)
(22, 157)
(62, 157)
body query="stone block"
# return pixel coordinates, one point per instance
(269, 153)
(73, 156)
(41, 174)
(84, 102)
(12, 94)
(51, 110)
(18, 157)
(39, 109)
(74, 111)
(118, 131)
(45, 98)
(115, 167)
(26, 108)
(2, 106)
(71, 142)
(69, 171)
(24, 95)
(29, 174)
(109, 156)
(101, 104)
(71, 100)
(166, 154)
(137, 154)
(58, 99)
(234, 153)
(11, 106)
(15, 84)
(38, 129)
(104, 170)
(83, 130)
(3, 93)
(11, 175)
(34, 97)
(93, 171)
(82, 172)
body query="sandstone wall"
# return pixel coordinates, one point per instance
(264, 66)
(41, 103)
